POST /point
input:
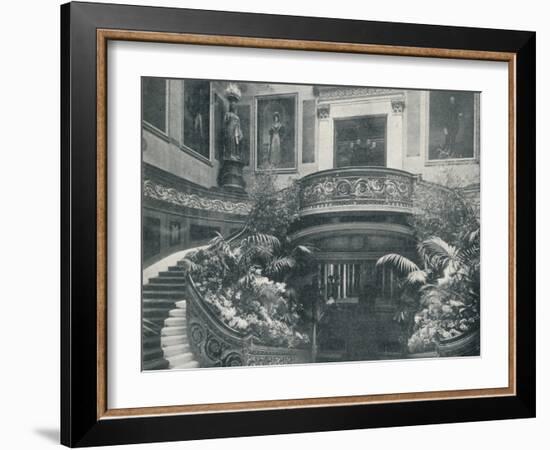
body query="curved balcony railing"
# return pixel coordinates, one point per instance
(214, 344)
(357, 189)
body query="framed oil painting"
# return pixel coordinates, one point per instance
(276, 132)
(453, 131)
(196, 116)
(275, 239)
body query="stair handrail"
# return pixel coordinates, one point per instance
(198, 301)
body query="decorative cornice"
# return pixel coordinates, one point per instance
(158, 191)
(333, 93)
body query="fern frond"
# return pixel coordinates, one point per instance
(256, 252)
(280, 265)
(246, 280)
(400, 263)
(219, 244)
(266, 240)
(437, 253)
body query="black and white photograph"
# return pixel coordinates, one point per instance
(301, 224)
(275, 225)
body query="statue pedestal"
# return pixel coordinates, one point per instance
(231, 175)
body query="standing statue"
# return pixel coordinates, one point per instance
(231, 171)
(233, 134)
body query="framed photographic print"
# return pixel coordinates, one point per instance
(329, 231)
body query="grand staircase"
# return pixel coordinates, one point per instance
(164, 322)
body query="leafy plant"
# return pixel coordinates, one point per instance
(242, 279)
(442, 210)
(447, 282)
(274, 209)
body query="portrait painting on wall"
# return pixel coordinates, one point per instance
(175, 233)
(276, 132)
(196, 116)
(360, 141)
(452, 120)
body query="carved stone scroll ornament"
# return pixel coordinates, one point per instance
(390, 190)
(323, 111)
(398, 106)
(157, 191)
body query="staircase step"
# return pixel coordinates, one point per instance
(182, 304)
(156, 323)
(150, 312)
(188, 365)
(176, 269)
(173, 340)
(176, 295)
(172, 274)
(182, 358)
(150, 354)
(175, 322)
(174, 331)
(151, 341)
(166, 287)
(177, 349)
(167, 279)
(156, 364)
(153, 302)
(178, 312)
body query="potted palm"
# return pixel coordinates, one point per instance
(446, 279)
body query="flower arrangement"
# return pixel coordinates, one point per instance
(441, 319)
(231, 280)
(262, 309)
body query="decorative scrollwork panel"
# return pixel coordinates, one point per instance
(359, 188)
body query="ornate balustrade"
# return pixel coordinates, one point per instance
(467, 344)
(357, 189)
(214, 344)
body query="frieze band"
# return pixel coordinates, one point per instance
(329, 93)
(191, 200)
(388, 190)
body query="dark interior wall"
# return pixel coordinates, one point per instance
(166, 232)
